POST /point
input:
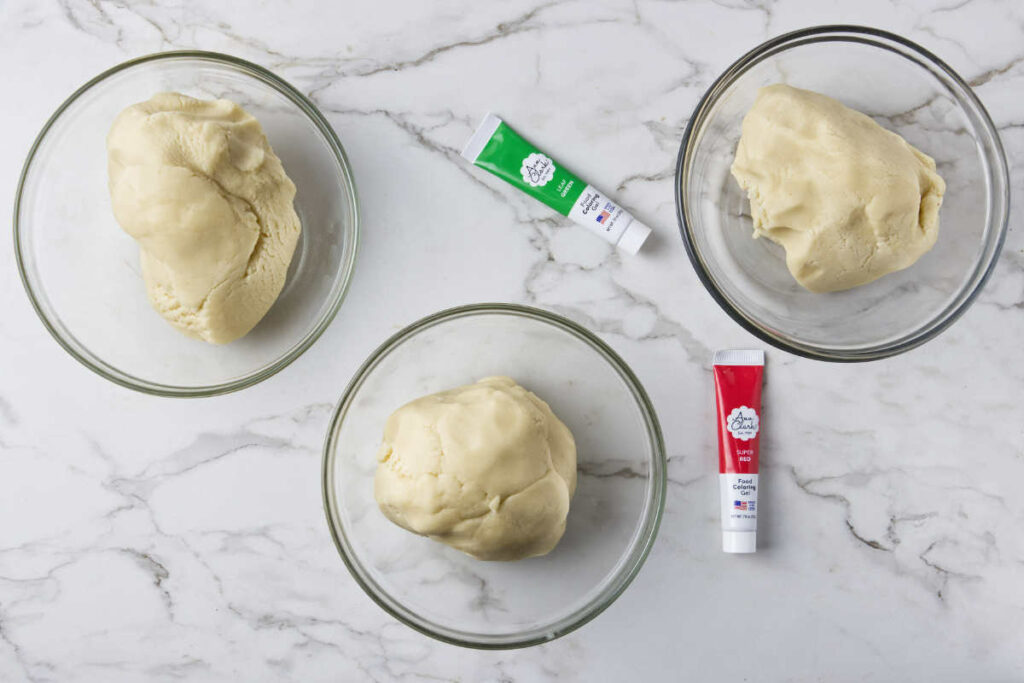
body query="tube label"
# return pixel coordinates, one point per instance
(739, 501)
(600, 213)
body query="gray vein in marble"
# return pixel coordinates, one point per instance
(762, 6)
(924, 28)
(987, 76)
(521, 24)
(664, 327)
(27, 665)
(944, 573)
(485, 600)
(806, 485)
(88, 25)
(657, 176)
(335, 68)
(420, 137)
(187, 669)
(849, 525)
(19, 654)
(684, 483)
(624, 472)
(302, 625)
(666, 136)
(953, 7)
(7, 413)
(157, 571)
(895, 521)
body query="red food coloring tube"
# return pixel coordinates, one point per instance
(738, 377)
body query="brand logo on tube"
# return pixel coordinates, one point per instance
(743, 423)
(537, 170)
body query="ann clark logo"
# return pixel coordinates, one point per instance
(743, 423)
(537, 170)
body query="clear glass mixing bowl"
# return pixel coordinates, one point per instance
(614, 515)
(906, 89)
(81, 271)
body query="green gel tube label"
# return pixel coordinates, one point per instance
(498, 149)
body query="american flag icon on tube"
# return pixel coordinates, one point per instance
(739, 505)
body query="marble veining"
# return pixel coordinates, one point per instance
(154, 539)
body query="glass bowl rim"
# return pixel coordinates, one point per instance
(77, 350)
(621, 580)
(999, 205)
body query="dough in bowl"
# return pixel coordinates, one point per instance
(485, 468)
(197, 185)
(849, 200)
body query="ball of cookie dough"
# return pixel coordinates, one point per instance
(485, 468)
(197, 185)
(848, 200)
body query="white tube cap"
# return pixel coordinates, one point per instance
(739, 541)
(634, 237)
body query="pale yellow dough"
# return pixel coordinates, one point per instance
(485, 468)
(197, 185)
(849, 200)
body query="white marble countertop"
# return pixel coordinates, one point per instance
(156, 539)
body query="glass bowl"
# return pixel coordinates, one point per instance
(81, 270)
(907, 90)
(614, 515)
